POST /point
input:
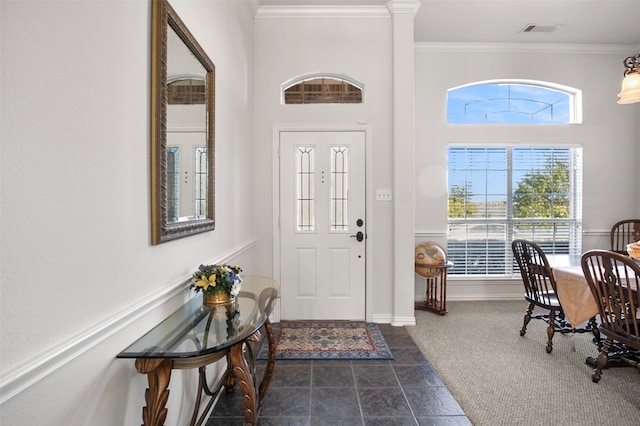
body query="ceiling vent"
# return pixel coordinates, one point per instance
(535, 28)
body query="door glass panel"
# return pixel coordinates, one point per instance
(305, 190)
(201, 182)
(339, 188)
(173, 183)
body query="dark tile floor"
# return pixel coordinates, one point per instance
(403, 391)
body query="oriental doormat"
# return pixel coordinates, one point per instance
(327, 340)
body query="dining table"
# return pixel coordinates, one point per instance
(575, 296)
(574, 293)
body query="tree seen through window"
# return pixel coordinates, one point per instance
(499, 192)
(535, 197)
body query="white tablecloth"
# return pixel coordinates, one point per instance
(575, 296)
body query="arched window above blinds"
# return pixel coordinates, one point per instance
(322, 89)
(513, 102)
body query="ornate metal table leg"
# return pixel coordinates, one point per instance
(158, 371)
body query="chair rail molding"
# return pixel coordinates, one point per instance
(431, 234)
(596, 232)
(443, 234)
(23, 376)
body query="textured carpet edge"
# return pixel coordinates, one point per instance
(501, 378)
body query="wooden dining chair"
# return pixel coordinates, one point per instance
(540, 289)
(614, 280)
(624, 232)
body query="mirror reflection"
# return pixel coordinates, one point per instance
(182, 129)
(186, 133)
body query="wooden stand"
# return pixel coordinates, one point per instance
(436, 291)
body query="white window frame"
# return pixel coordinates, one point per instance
(508, 267)
(575, 95)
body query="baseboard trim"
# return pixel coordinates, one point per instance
(402, 321)
(34, 370)
(381, 319)
(484, 297)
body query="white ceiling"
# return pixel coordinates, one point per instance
(579, 21)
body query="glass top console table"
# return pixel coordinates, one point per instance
(195, 336)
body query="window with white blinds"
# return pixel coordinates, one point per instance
(500, 193)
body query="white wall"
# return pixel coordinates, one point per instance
(357, 47)
(77, 266)
(79, 278)
(609, 134)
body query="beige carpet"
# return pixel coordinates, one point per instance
(501, 378)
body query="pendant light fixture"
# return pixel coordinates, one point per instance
(630, 92)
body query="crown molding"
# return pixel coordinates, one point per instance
(254, 5)
(403, 6)
(454, 47)
(329, 11)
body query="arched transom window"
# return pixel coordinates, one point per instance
(186, 91)
(513, 102)
(322, 89)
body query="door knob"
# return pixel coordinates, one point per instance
(358, 236)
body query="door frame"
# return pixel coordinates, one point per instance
(277, 261)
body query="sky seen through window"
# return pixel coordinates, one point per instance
(508, 103)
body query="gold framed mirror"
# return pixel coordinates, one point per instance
(182, 129)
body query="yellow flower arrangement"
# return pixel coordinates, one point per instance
(217, 278)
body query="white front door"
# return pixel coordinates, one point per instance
(322, 225)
